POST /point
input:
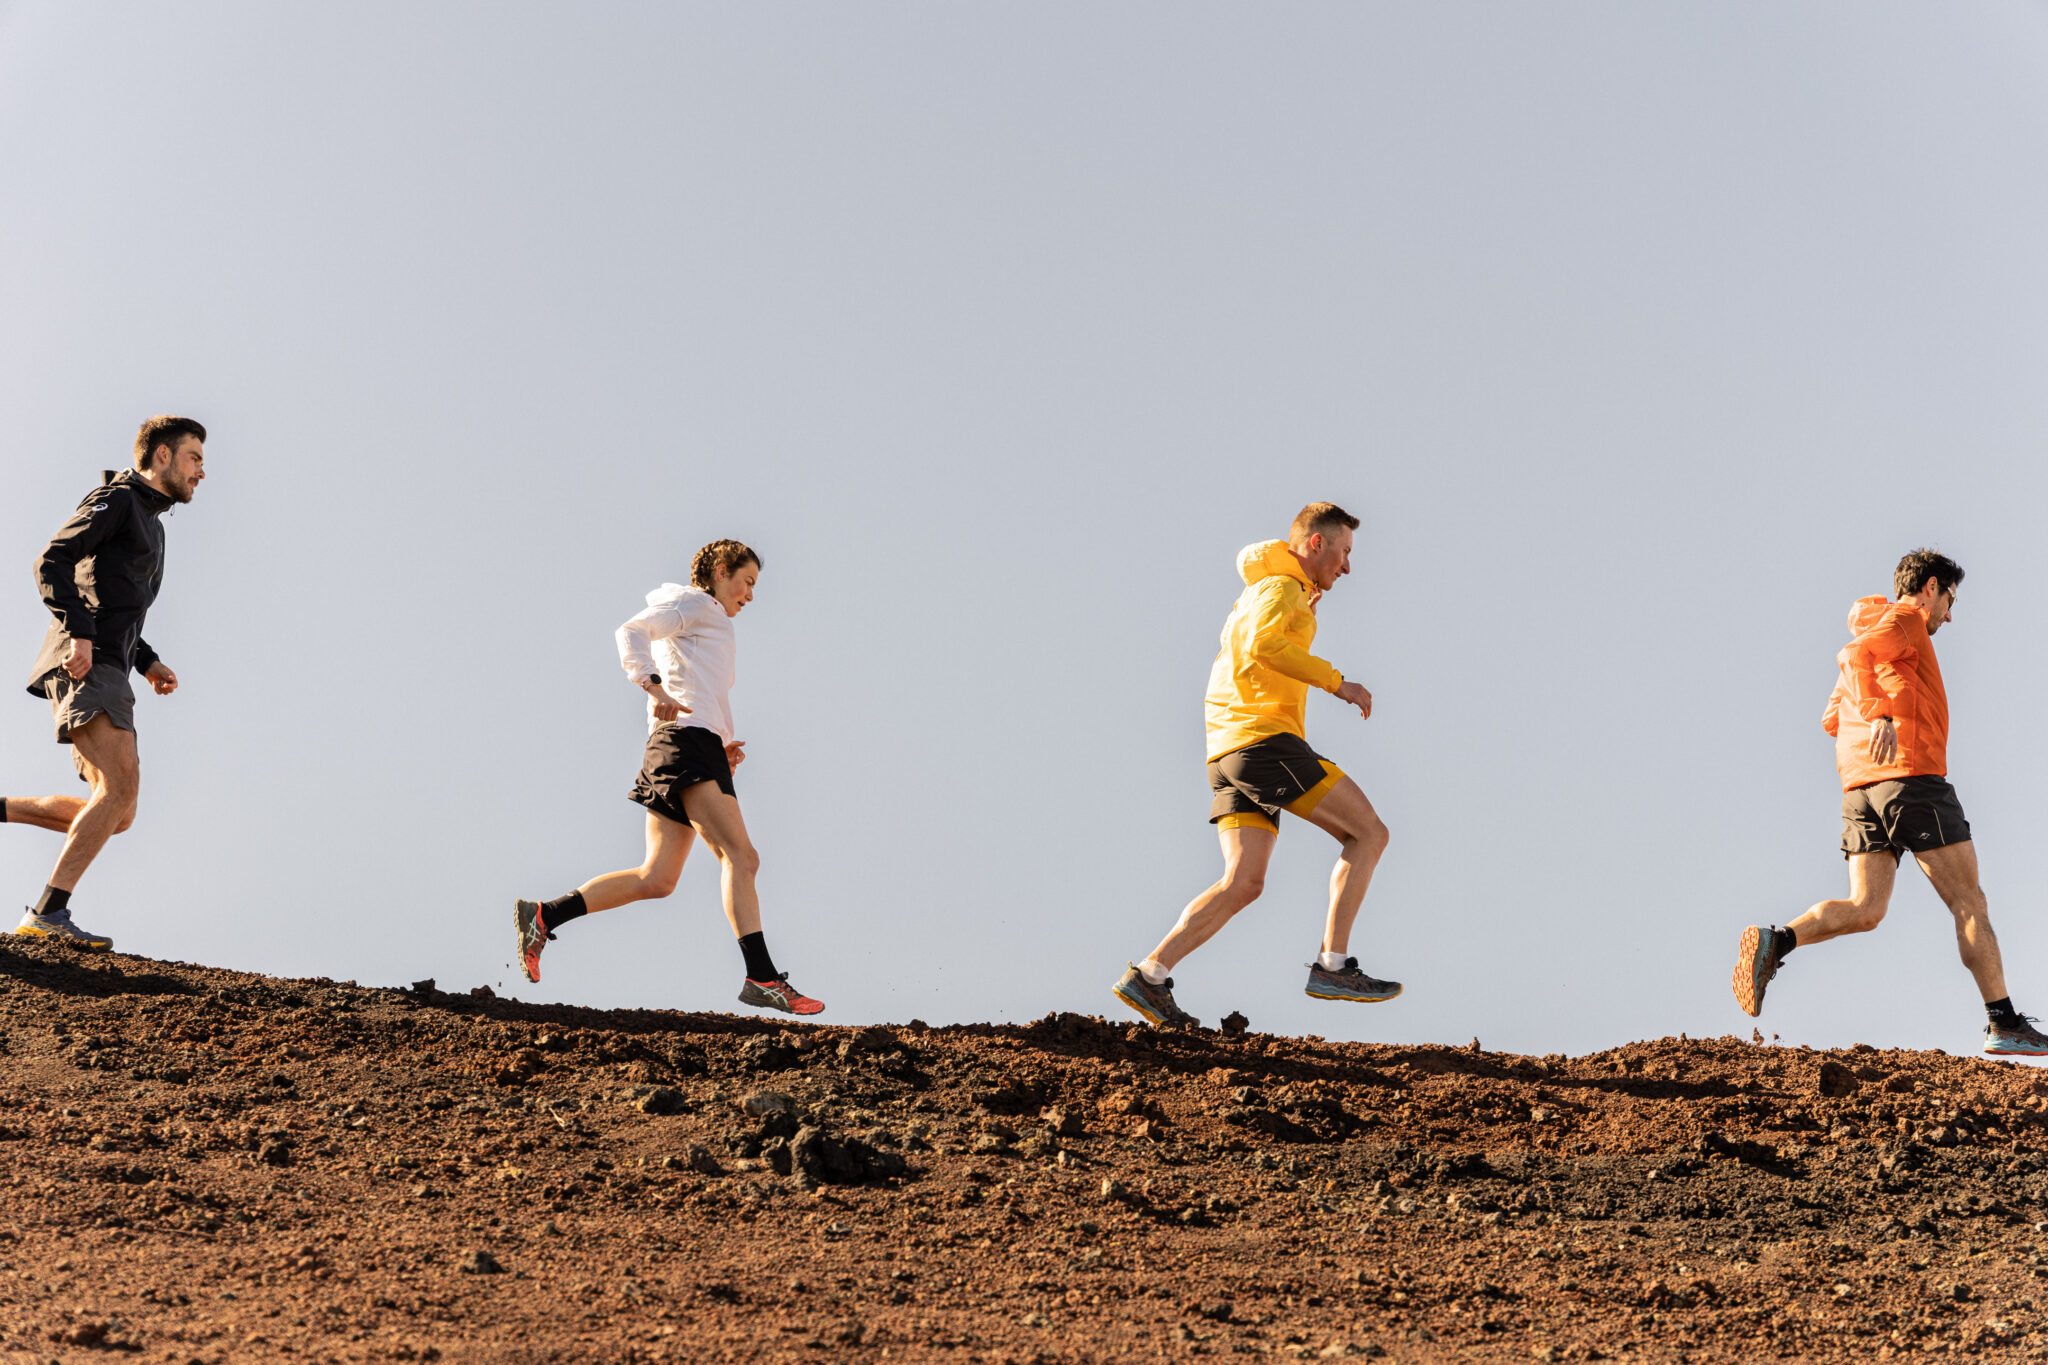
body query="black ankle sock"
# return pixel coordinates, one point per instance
(2002, 1013)
(53, 901)
(559, 911)
(3, 810)
(1783, 941)
(754, 947)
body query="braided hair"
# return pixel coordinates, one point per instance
(726, 556)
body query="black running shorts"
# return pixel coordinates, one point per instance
(104, 690)
(1909, 815)
(678, 758)
(1252, 785)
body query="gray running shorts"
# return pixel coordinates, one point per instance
(105, 690)
(1907, 815)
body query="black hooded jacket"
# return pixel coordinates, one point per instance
(100, 576)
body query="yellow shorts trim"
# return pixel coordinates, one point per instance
(1246, 819)
(1313, 797)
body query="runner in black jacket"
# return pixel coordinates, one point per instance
(99, 576)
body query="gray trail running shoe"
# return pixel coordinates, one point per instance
(2021, 1040)
(1349, 983)
(60, 927)
(533, 935)
(1756, 962)
(1154, 1002)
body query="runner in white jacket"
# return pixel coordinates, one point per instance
(680, 652)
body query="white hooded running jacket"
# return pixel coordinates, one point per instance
(686, 638)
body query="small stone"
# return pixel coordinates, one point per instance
(1112, 1189)
(1064, 1122)
(762, 1103)
(1234, 1024)
(662, 1099)
(552, 1228)
(482, 993)
(425, 987)
(703, 1163)
(481, 1262)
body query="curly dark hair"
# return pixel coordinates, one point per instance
(1916, 568)
(163, 430)
(720, 556)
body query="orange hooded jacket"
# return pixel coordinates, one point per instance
(1888, 669)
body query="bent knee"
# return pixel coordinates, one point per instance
(1864, 920)
(743, 861)
(127, 821)
(1245, 888)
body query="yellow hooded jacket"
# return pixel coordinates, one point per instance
(1259, 684)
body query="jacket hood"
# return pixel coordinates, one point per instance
(668, 593)
(1267, 558)
(1866, 612)
(132, 479)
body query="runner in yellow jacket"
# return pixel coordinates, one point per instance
(1260, 764)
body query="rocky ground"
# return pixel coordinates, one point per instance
(197, 1165)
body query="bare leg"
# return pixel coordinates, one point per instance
(1870, 894)
(1362, 837)
(1246, 851)
(668, 844)
(717, 817)
(1953, 871)
(44, 812)
(110, 764)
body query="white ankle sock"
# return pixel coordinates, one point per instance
(1152, 971)
(1332, 962)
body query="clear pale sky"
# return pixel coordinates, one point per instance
(1643, 338)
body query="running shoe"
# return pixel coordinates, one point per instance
(777, 994)
(2016, 1040)
(1756, 962)
(59, 926)
(533, 936)
(1348, 983)
(1154, 1002)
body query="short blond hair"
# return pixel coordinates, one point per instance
(1320, 516)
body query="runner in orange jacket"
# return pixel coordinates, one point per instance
(1889, 717)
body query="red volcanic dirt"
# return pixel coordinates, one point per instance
(206, 1166)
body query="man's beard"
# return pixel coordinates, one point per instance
(181, 492)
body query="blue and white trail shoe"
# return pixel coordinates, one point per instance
(2016, 1040)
